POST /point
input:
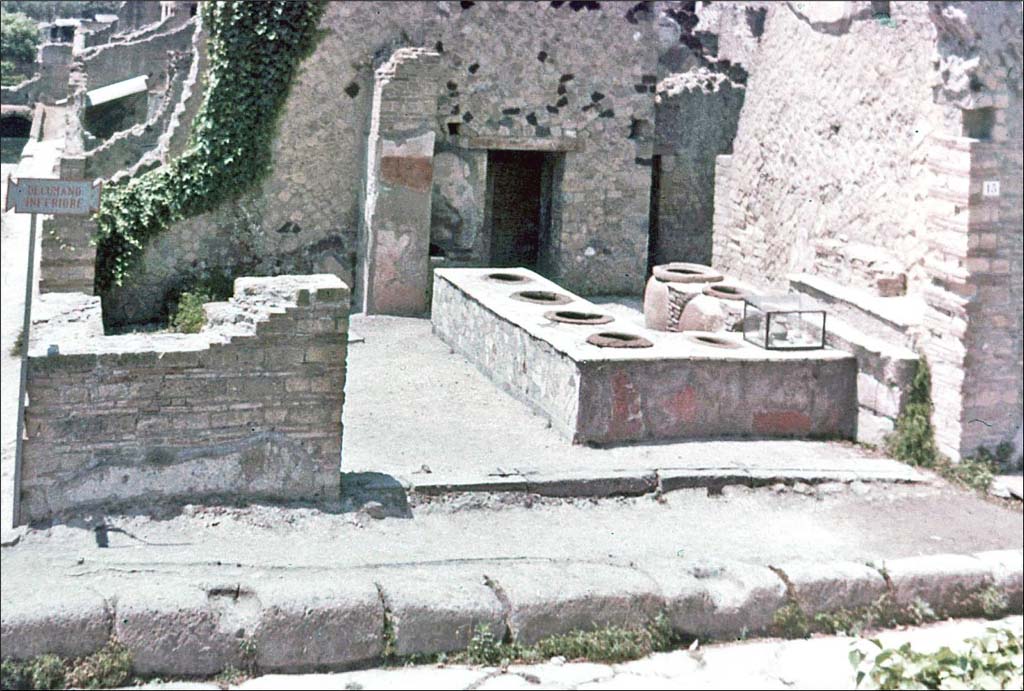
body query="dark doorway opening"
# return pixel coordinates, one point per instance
(521, 188)
(653, 213)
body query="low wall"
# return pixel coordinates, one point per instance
(675, 389)
(249, 407)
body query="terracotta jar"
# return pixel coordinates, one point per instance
(662, 308)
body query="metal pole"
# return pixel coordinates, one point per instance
(27, 324)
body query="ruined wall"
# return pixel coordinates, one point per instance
(507, 70)
(861, 154)
(697, 114)
(975, 303)
(115, 62)
(829, 165)
(250, 407)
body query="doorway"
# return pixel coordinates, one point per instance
(520, 193)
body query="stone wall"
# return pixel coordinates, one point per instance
(118, 61)
(249, 407)
(508, 70)
(829, 109)
(860, 156)
(696, 120)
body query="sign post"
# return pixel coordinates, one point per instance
(40, 196)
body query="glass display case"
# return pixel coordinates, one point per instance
(784, 322)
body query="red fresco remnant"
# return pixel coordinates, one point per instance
(413, 172)
(682, 408)
(627, 418)
(787, 422)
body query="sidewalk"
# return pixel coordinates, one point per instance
(38, 160)
(425, 419)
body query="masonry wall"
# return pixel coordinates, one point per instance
(507, 70)
(829, 165)
(250, 407)
(697, 114)
(861, 153)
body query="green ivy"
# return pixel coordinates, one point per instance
(254, 51)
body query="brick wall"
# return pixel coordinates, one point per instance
(250, 407)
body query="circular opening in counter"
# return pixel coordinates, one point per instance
(542, 297)
(574, 317)
(713, 341)
(725, 291)
(686, 272)
(616, 339)
(507, 277)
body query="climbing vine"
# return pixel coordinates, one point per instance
(254, 51)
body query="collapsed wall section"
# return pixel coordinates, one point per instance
(248, 408)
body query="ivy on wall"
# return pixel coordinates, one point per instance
(254, 51)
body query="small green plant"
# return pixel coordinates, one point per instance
(993, 661)
(18, 344)
(975, 473)
(608, 644)
(107, 668)
(913, 440)
(790, 621)
(484, 648)
(189, 317)
(43, 672)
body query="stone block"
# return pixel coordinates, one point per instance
(722, 600)
(589, 596)
(945, 582)
(1007, 567)
(69, 622)
(442, 617)
(173, 629)
(310, 624)
(830, 586)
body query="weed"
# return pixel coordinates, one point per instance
(247, 653)
(913, 440)
(989, 662)
(790, 621)
(18, 344)
(230, 676)
(107, 668)
(188, 318)
(43, 672)
(990, 601)
(608, 644)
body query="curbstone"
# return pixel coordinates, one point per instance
(584, 484)
(722, 601)
(63, 621)
(834, 585)
(943, 581)
(587, 597)
(1007, 568)
(175, 631)
(332, 621)
(438, 608)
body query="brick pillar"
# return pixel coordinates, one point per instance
(396, 220)
(971, 329)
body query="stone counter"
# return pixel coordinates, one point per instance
(676, 389)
